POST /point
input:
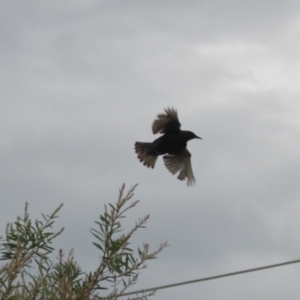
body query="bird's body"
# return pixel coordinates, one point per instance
(173, 142)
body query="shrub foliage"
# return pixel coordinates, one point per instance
(30, 270)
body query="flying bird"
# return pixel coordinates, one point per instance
(173, 143)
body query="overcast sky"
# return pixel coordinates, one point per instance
(81, 81)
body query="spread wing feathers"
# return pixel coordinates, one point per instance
(143, 151)
(167, 122)
(181, 163)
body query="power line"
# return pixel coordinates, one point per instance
(211, 278)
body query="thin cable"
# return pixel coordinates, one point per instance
(211, 278)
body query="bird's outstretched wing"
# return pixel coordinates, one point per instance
(181, 163)
(167, 122)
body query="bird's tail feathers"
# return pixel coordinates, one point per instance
(143, 151)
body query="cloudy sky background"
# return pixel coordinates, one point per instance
(81, 81)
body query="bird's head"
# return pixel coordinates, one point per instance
(190, 135)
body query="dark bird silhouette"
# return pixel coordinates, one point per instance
(173, 143)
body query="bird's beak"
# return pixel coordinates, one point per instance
(198, 137)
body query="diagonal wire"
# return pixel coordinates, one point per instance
(211, 278)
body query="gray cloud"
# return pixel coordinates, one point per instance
(82, 81)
